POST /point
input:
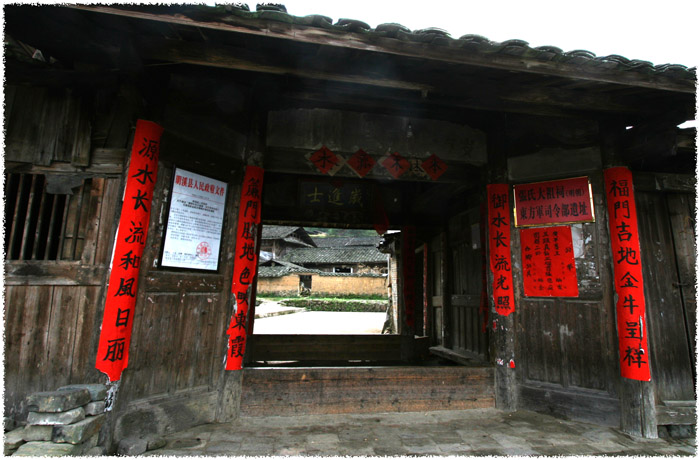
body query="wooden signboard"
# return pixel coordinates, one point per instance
(554, 202)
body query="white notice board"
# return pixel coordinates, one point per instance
(195, 221)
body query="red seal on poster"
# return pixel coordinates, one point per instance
(203, 250)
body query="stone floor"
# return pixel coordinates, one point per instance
(484, 432)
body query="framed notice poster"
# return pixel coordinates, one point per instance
(195, 222)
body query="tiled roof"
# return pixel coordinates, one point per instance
(335, 256)
(339, 242)
(273, 232)
(282, 268)
(435, 36)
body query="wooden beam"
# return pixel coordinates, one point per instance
(374, 43)
(207, 54)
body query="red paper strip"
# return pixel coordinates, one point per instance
(396, 165)
(324, 160)
(553, 202)
(361, 163)
(245, 265)
(499, 248)
(434, 167)
(117, 322)
(408, 255)
(629, 285)
(549, 269)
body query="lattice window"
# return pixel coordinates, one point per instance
(41, 225)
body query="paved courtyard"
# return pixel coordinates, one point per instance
(483, 432)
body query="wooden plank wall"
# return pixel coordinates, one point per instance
(52, 308)
(468, 338)
(566, 354)
(179, 341)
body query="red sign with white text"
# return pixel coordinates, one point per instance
(629, 285)
(549, 269)
(553, 202)
(245, 265)
(117, 322)
(499, 247)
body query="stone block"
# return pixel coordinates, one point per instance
(132, 446)
(57, 401)
(97, 451)
(13, 439)
(98, 391)
(37, 432)
(8, 424)
(95, 408)
(46, 449)
(79, 432)
(58, 418)
(155, 442)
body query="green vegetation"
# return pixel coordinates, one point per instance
(335, 304)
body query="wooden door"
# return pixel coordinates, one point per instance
(668, 255)
(466, 318)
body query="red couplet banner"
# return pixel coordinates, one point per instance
(629, 285)
(549, 269)
(245, 265)
(408, 255)
(499, 247)
(117, 322)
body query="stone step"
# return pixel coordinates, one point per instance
(302, 391)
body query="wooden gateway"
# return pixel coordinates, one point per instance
(545, 202)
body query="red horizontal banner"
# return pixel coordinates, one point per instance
(553, 202)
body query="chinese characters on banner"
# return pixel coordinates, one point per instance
(245, 264)
(499, 247)
(624, 236)
(408, 251)
(553, 202)
(115, 335)
(549, 269)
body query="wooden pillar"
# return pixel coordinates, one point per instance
(230, 386)
(502, 335)
(445, 288)
(637, 401)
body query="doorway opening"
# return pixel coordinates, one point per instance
(323, 281)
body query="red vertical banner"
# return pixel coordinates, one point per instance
(117, 322)
(245, 265)
(499, 247)
(408, 254)
(629, 285)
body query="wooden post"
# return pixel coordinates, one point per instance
(445, 286)
(502, 336)
(637, 401)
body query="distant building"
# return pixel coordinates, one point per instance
(278, 239)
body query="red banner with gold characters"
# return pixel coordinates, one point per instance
(499, 247)
(629, 286)
(117, 322)
(549, 269)
(245, 265)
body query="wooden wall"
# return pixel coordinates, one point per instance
(566, 348)
(53, 310)
(179, 341)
